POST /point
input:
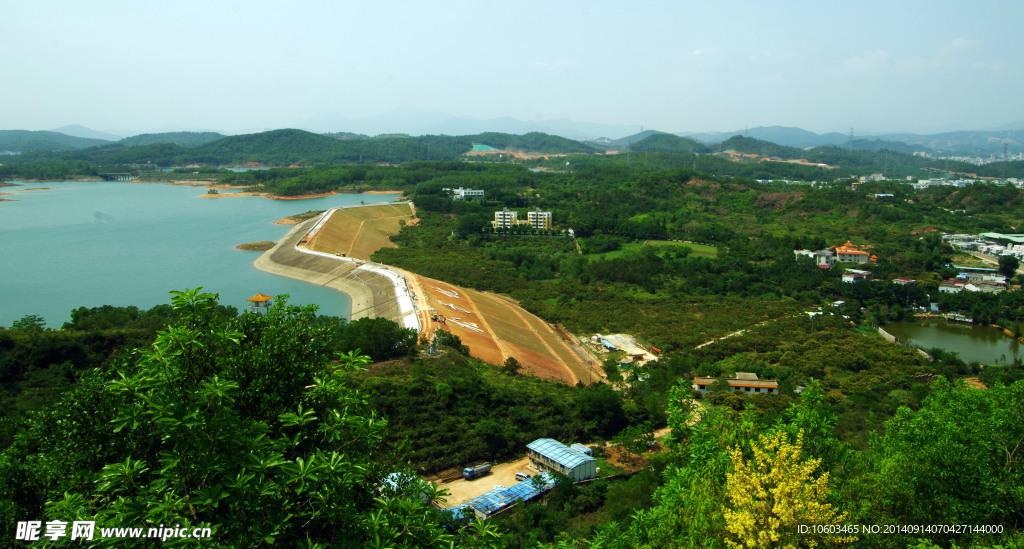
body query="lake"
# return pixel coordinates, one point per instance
(86, 244)
(983, 344)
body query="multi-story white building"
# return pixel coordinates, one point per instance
(539, 219)
(505, 218)
(462, 193)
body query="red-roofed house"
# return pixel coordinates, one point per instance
(744, 382)
(847, 253)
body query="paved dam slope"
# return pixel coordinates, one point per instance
(373, 295)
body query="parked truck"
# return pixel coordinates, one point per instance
(477, 471)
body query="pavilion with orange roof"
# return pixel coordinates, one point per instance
(260, 303)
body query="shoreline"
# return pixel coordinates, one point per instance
(201, 183)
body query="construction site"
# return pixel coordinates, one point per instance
(333, 250)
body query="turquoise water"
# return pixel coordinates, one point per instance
(983, 344)
(84, 244)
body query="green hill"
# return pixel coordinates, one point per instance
(667, 142)
(621, 143)
(185, 139)
(532, 142)
(749, 145)
(883, 145)
(27, 141)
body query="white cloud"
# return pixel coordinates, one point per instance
(703, 51)
(867, 62)
(987, 65)
(954, 55)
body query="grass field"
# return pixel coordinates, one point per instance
(968, 260)
(632, 247)
(695, 249)
(358, 232)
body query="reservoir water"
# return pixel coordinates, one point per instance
(983, 344)
(86, 244)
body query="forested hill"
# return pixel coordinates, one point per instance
(895, 146)
(292, 147)
(749, 145)
(531, 142)
(289, 146)
(26, 141)
(185, 139)
(667, 142)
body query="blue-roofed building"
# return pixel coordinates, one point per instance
(547, 454)
(585, 450)
(495, 501)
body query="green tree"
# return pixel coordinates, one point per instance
(958, 458)
(511, 366)
(379, 337)
(173, 439)
(472, 223)
(610, 366)
(636, 439)
(29, 323)
(1008, 265)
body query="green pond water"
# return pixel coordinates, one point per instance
(983, 344)
(85, 244)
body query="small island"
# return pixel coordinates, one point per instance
(260, 246)
(298, 218)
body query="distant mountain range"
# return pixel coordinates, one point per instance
(77, 130)
(426, 122)
(19, 141)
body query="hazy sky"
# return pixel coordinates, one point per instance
(134, 66)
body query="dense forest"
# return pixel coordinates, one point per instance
(201, 428)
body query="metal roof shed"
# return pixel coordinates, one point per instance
(549, 454)
(486, 505)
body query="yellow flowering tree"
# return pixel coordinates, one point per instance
(775, 493)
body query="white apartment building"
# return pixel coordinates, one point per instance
(505, 218)
(539, 219)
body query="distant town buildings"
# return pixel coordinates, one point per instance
(957, 285)
(988, 243)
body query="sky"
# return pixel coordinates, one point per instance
(875, 66)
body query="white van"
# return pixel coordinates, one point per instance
(522, 476)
